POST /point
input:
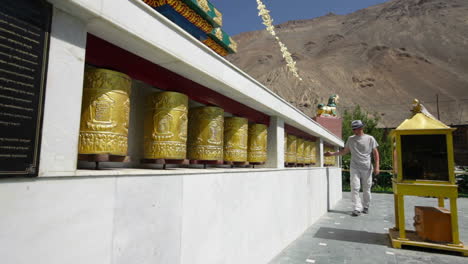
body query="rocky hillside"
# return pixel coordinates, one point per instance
(379, 58)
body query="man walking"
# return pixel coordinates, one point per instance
(361, 146)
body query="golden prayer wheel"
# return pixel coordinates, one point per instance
(258, 143)
(307, 154)
(165, 126)
(205, 138)
(105, 112)
(292, 149)
(330, 160)
(313, 153)
(235, 139)
(285, 147)
(300, 151)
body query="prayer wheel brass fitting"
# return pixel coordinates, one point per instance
(235, 139)
(300, 151)
(205, 138)
(105, 112)
(165, 129)
(292, 149)
(307, 153)
(257, 150)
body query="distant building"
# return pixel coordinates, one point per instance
(460, 145)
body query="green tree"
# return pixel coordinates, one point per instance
(371, 121)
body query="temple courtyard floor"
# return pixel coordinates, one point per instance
(337, 237)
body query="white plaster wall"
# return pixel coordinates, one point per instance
(147, 220)
(248, 218)
(64, 89)
(210, 217)
(318, 195)
(335, 186)
(56, 221)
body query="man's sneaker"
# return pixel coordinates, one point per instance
(365, 211)
(356, 213)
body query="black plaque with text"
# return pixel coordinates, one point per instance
(24, 42)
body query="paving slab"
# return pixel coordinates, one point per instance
(337, 237)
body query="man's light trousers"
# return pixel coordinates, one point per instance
(357, 177)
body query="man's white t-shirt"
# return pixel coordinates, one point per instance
(361, 148)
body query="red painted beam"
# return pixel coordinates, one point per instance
(101, 53)
(298, 133)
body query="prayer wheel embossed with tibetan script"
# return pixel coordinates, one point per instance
(292, 149)
(313, 153)
(300, 151)
(330, 160)
(285, 147)
(165, 129)
(307, 153)
(235, 139)
(105, 113)
(205, 138)
(257, 150)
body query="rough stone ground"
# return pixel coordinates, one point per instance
(337, 237)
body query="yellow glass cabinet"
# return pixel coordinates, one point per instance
(424, 166)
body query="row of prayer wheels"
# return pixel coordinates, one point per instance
(171, 131)
(299, 151)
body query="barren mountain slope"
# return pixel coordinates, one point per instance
(380, 57)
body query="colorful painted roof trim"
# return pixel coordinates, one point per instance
(224, 40)
(184, 10)
(215, 46)
(205, 9)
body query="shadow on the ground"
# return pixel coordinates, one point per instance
(339, 212)
(353, 236)
(432, 250)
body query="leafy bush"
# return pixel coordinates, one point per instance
(462, 181)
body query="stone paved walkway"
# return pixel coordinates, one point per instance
(338, 237)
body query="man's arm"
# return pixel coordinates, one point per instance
(337, 153)
(376, 161)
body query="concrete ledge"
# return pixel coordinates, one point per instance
(135, 172)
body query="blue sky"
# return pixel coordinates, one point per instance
(242, 15)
